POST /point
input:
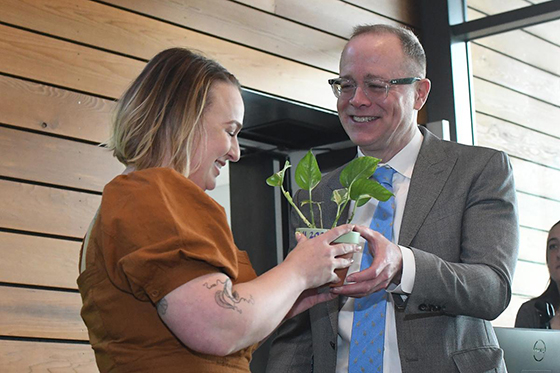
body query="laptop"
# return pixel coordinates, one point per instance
(530, 350)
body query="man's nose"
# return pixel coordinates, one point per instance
(360, 97)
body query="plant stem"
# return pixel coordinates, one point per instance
(291, 202)
(353, 212)
(339, 212)
(311, 209)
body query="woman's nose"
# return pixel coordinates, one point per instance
(234, 153)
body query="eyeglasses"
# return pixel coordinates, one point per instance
(374, 89)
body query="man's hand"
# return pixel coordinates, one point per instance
(385, 268)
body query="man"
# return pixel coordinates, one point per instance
(454, 219)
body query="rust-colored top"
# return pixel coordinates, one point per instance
(155, 230)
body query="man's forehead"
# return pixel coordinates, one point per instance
(374, 55)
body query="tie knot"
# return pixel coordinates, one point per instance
(384, 175)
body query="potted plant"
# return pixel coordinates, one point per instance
(357, 186)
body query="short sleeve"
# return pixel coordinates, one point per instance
(160, 230)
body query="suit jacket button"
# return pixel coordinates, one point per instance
(423, 307)
(332, 344)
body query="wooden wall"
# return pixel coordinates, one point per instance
(517, 101)
(62, 65)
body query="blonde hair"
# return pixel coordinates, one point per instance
(158, 118)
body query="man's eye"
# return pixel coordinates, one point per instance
(346, 86)
(375, 86)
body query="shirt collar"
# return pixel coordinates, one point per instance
(403, 162)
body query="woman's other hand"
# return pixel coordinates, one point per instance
(316, 259)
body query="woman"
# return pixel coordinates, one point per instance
(164, 287)
(537, 312)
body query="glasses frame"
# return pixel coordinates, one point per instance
(388, 85)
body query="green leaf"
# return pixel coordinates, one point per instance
(308, 174)
(277, 179)
(364, 189)
(359, 168)
(339, 196)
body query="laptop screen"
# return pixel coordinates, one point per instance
(530, 350)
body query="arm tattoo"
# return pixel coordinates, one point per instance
(162, 306)
(227, 298)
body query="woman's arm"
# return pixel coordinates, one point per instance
(212, 316)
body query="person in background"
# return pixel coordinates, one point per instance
(544, 310)
(164, 287)
(429, 283)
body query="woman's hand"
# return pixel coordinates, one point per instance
(314, 260)
(308, 299)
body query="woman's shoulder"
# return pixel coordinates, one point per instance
(161, 192)
(151, 179)
(156, 183)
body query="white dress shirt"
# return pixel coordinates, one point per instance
(403, 162)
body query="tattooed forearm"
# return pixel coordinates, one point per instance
(162, 307)
(227, 298)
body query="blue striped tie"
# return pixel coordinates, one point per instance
(368, 327)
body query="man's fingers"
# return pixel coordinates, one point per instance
(357, 290)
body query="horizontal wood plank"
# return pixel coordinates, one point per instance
(516, 75)
(530, 279)
(535, 179)
(41, 314)
(406, 11)
(21, 356)
(526, 47)
(536, 212)
(266, 5)
(65, 64)
(532, 245)
(334, 16)
(47, 210)
(24, 258)
(518, 141)
(248, 26)
(52, 110)
(547, 31)
(53, 61)
(492, 99)
(46, 159)
(496, 6)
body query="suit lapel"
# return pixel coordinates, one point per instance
(431, 171)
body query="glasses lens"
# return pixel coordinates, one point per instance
(343, 88)
(376, 89)
(346, 89)
(335, 84)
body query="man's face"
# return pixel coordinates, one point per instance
(381, 127)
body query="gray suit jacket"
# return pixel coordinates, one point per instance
(460, 221)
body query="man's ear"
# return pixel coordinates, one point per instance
(421, 95)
